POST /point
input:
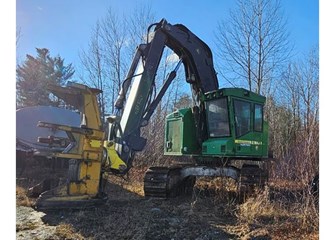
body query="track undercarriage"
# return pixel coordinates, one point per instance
(167, 182)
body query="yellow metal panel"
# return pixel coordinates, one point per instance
(91, 155)
(89, 187)
(114, 159)
(89, 174)
(95, 143)
(69, 155)
(69, 198)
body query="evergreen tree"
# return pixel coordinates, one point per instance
(35, 74)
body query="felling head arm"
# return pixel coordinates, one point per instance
(85, 151)
(84, 99)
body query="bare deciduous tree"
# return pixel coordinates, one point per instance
(138, 25)
(92, 62)
(18, 35)
(107, 58)
(294, 120)
(114, 40)
(253, 43)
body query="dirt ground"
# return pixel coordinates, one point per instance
(207, 214)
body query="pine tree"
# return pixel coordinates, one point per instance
(35, 74)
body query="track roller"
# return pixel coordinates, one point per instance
(164, 182)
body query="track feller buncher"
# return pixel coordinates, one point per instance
(224, 132)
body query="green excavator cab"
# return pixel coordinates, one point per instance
(235, 127)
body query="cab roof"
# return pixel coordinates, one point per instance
(234, 92)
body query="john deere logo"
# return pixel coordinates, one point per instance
(248, 142)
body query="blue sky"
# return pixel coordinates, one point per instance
(64, 27)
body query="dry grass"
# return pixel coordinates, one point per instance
(221, 188)
(129, 185)
(66, 231)
(132, 182)
(21, 197)
(259, 208)
(286, 184)
(27, 226)
(283, 210)
(246, 232)
(290, 219)
(309, 214)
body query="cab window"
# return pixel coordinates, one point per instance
(258, 120)
(217, 116)
(242, 110)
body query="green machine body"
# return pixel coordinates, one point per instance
(234, 127)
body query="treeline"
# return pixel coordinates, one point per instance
(253, 51)
(293, 116)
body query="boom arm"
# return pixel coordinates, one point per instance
(200, 73)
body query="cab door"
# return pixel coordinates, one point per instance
(243, 127)
(257, 143)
